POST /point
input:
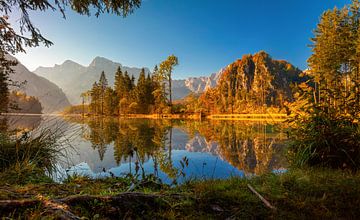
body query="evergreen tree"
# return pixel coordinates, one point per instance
(103, 83)
(95, 98)
(110, 101)
(119, 88)
(140, 93)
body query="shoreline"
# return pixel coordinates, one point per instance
(233, 117)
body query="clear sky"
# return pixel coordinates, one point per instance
(206, 35)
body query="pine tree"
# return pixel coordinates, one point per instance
(110, 103)
(103, 83)
(95, 98)
(119, 88)
(140, 93)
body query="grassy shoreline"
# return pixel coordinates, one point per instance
(297, 194)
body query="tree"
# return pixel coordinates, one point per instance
(95, 98)
(158, 90)
(140, 93)
(103, 84)
(334, 64)
(166, 69)
(110, 103)
(12, 42)
(5, 70)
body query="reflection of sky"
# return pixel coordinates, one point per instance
(85, 160)
(201, 166)
(206, 160)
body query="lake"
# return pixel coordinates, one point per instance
(169, 149)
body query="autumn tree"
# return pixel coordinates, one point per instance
(166, 69)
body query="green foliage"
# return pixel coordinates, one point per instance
(326, 125)
(327, 140)
(334, 64)
(297, 194)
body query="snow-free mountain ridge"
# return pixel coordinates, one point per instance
(49, 94)
(75, 79)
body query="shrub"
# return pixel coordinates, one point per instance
(326, 140)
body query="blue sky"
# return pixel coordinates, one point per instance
(206, 35)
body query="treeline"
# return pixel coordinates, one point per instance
(21, 103)
(150, 94)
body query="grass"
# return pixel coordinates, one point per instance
(297, 194)
(30, 156)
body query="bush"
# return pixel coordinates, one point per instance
(326, 140)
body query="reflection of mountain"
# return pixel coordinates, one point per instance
(199, 144)
(252, 147)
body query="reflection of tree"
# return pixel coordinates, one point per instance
(249, 146)
(134, 140)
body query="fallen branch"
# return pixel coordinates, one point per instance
(267, 203)
(62, 206)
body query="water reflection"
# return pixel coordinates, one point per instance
(231, 146)
(214, 149)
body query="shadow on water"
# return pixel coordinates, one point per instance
(169, 149)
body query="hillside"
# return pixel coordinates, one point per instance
(66, 74)
(50, 95)
(252, 82)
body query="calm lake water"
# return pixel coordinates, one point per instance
(170, 149)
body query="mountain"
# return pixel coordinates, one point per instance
(50, 95)
(75, 79)
(66, 74)
(181, 88)
(251, 83)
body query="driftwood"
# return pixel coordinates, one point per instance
(267, 203)
(61, 207)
